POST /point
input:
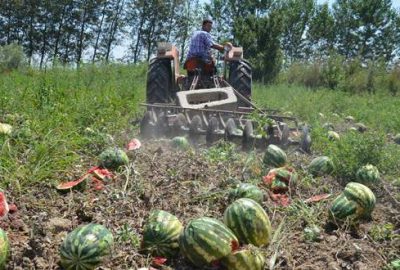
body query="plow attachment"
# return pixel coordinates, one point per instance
(202, 125)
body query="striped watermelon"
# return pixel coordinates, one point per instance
(180, 143)
(86, 247)
(279, 179)
(356, 201)
(246, 190)
(320, 166)
(205, 241)
(274, 156)
(161, 234)
(368, 174)
(4, 249)
(248, 220)
(113, 158)
(248, 258)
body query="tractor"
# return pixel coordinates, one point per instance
(205, 104)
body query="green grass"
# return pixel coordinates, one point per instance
(378, 112)
(54, 109)
(63, 118)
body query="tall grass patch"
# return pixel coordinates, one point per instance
(316, 107)
(51, 113)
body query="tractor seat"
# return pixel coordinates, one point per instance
(195, 65)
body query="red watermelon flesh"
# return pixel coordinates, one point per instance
(3, 205)
(72, 184)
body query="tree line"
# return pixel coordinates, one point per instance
(273, 33)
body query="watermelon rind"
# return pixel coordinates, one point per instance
(161, 234)
(205, 241)
(79, 184)
(280, 179)
(274, 156)
(86, 247)
(249, 222)
(247, 258)
(4, 249)
(113, 158)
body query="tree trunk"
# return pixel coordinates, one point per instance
(99, 32)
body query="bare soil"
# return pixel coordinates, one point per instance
(189, 185)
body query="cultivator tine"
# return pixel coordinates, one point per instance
(195, 129)
(305, 141)
(212, 130)
(248, 136)
(179, 125)
(161, 124)
(148, 123)
(285, 134)
(231, 130)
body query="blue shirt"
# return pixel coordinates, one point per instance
(200, 45)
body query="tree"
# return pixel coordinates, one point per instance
(366, 28)
(321, 32)
(296, 19)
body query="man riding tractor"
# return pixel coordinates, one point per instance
(199, 59)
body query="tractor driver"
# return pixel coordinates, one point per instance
(201, 43)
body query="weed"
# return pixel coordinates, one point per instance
(222, 152)
(351, 152)
(383, 232)
(127, 234)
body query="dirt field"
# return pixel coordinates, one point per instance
(190, 185)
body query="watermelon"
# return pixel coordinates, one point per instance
(356, 201)
(161, 234)
(4, 249)
(328, 126)
(5, 129)
(248, 258)
(396, 138)
(349, 119)
(248, 220)
(86, 247)
(113, 158)
(320, 166)
(360, 127)
(279, 179)
(333, 136)
(368, 174)
(274, 156)
(180, 143)
(205, 241)
(246, 190)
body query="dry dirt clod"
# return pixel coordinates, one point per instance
(57, 225)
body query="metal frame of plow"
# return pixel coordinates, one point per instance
(214, 124)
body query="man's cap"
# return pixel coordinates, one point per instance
(207, 20)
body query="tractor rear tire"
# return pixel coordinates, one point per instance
(159, 81)
(240, 78)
